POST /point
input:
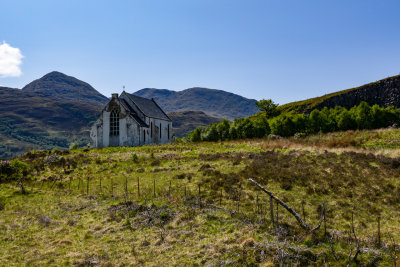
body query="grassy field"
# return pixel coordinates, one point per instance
(191, 204)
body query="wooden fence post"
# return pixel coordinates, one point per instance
(220, 198)
(199, 196)
(87, 186)
(154, 187)
(138, 187)
(271, 207)
(277, 213)
(111, 187)
(126, 189)
(379, 231)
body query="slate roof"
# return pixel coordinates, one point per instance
(149, 107)
(133, 114)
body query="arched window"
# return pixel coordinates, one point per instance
(114, 122)
(160, 130)
(151, 129)
(144, 136)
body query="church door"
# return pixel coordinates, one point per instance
(114, 128)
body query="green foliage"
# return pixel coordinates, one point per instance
(135, 158)
(239, 129)
(73, 146)
(268, 107)
(12, 170)
(287, 124)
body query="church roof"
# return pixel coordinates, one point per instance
(133, 114)
(149, 107)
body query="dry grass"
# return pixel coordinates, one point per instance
(203, 210)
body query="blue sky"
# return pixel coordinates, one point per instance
(285, 50)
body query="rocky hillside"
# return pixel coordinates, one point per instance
(385, 92)
(59, 85)
(215, 103)
(185, 121)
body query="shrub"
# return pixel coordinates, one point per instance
(73, 146)
(12, 170)
(135, 158)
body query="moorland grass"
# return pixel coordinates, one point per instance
(191, 203)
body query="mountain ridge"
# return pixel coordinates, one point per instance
(60, 85)
(213, 102)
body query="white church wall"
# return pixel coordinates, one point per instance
(106, 128)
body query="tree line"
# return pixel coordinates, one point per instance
(285, 124)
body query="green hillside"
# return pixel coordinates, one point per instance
(384, 92)
(29, 121)
(192, 204)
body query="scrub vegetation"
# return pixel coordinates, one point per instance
(272, 122)
(187, 204)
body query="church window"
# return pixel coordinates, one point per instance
(144, 136)
(151, 130)
(114, 122)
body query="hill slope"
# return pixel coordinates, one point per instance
(31, 121)
(385, 92)
(57, 84)
(185, 121)
(216, 103)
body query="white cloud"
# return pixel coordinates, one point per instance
(10, 61)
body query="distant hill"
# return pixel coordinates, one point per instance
(31, 121)
(215, 103)
(59, 85)
(185, 121)
(385, 92)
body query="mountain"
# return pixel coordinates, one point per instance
(385, 92)
(185, 121)
(59, 85)
(31, 121)
(57, 109)
(215, 103)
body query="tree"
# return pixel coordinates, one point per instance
(268, 106)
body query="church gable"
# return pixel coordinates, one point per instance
(124, 122)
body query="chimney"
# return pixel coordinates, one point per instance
(114, 96)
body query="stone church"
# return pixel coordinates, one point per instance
(130, 120)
